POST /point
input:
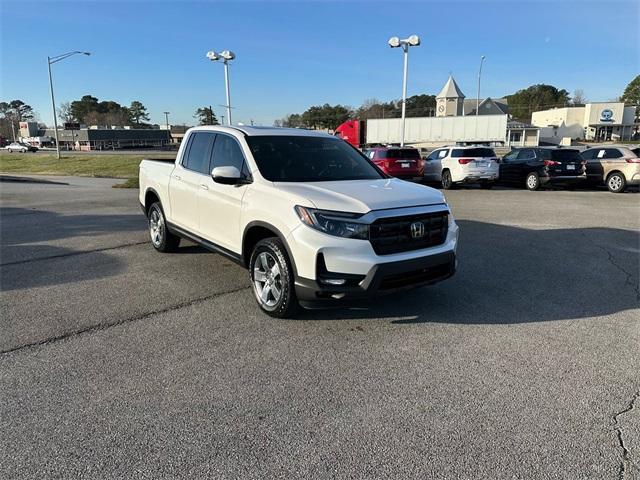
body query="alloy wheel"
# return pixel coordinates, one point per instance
(615, 182)
(156, 227)
(267, 280)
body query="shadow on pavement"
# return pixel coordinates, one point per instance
(513, 275)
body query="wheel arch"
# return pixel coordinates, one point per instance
(259, 230)
(150, 196)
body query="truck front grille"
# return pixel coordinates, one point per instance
(394, 234)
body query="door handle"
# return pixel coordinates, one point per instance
(204, 187)
(177, 177)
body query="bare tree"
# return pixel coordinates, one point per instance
(578, 100)
(64, 113)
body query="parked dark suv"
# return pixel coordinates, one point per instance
(535, 167)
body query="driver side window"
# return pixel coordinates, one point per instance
(227, 153)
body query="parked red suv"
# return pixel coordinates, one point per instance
(401, 162)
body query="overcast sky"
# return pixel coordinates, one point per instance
(293, 55)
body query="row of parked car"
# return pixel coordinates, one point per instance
(530, 167)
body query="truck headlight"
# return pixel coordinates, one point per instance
(338, 224)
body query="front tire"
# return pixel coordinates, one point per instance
(486, 185)
(10, 151)
(616, 183)
(532, 182)
(161, 238)
(272, 278)
(447, 181)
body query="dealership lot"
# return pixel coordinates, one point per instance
(121, 362)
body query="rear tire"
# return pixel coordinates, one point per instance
(486, 185)
(532, 182)
(447, 182)
(10, 151)
(616, 183)
(272, 279)
(161, 238)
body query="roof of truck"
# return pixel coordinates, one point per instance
(266, 131)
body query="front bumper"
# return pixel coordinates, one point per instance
(383, 278)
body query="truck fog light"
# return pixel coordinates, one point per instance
(333, 281)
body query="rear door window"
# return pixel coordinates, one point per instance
(526, 154)
(612, 153)
(199, 152)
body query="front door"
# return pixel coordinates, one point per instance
(220, 205)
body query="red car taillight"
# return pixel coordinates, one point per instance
(549, 163)
(632, 160)
(464, 161)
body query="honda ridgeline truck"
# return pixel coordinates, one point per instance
(314, 221)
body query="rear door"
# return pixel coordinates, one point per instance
(220, 205)
(432, 166)
(508, 167)
(594, 158)
(186, 179)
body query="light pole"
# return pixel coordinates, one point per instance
(51, 61)
(166, 120)
(478, 97)
(226, 56)
(394, 42)
(479, 75)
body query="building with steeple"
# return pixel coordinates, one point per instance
(450, 100)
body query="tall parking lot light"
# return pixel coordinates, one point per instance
(226, 56)
(395, 42)
(478, 97)
(51, 61)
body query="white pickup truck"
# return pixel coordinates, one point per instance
(312, 219)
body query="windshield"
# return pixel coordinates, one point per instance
(400, 153)
(561, 155)
(309, 159)
(472, 152)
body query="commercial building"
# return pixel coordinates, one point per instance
(95, 137)
(597, 121)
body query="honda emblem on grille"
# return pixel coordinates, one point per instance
(417, 230)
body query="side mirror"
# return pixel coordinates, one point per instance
(227, 175)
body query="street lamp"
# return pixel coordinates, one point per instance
(478, 97)
(51, 61)
(479, 75)
(226, 56)
(166, 119)
(395, 42)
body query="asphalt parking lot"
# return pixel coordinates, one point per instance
(120, 362)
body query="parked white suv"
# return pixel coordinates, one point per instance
(455, 165)
(314, 221)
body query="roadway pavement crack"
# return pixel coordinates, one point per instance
(71, 254)
(626, 456)
(635, 286)
(106, 325)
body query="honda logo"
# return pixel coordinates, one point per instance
(417, 230)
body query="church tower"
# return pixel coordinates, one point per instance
(450, 100)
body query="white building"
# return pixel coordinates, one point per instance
(598, 121)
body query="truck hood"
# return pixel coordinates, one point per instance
(362, 196)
